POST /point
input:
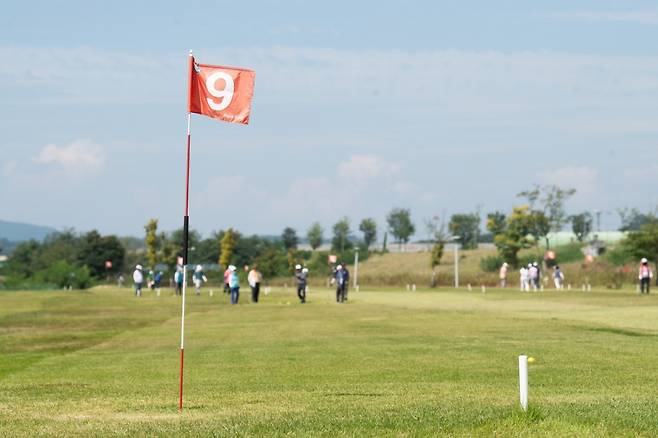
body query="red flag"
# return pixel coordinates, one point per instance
(222, 93)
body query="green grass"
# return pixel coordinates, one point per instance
(388, 363)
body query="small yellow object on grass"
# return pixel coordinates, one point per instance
(531, 359)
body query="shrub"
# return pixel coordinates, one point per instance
(491, 263)
(62, 274)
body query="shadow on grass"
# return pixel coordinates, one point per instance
(532, 416)
(618, 331)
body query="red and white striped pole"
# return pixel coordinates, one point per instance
(186, 225)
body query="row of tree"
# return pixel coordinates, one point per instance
(65, 259)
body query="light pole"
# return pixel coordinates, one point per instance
(356, 268)
(456, 251)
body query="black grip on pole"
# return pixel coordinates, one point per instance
(186, 236)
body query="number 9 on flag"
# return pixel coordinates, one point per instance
(223, 93)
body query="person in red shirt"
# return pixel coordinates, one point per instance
(227, 276)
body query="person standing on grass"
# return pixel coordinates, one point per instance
(533, 273)
(199, 278)
(138, 279)
(150, 280)
(502, 275)
(301, 276)
(558, 278)
(645, 276)
(538, 279)
(227, 276)
(234, 284)
(346, 281)
(254, 279)
(158, 281)
(523, 277)
(338, 279)
(178, 280)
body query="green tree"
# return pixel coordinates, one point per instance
(272, 263)
(94, 250)
(436, 229)
(552, 199)
(177, 238)
(644, 242)
(341, 239)
(539, 227)
(151, 240)
(581, 225)
(496, 222)
(467, 227)
(289, 238)
(24, 259)
(632, 219)
(400, 225)
(227, 245)
(207, 250)
(515, 237)
(315, 236)
(368, 227)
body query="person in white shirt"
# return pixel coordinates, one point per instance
(523, 275)
(138, 279)
(503, 275)
(254, 278)
(533, 274)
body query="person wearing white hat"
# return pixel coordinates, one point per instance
(301, 277)
(502, 275)
(138, 279)
(645, 276)
(199, 278)
(234, 284)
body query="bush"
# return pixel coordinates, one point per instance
(491, 263)
(64, 275)
(619, 256)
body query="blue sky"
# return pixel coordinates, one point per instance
(359, 107)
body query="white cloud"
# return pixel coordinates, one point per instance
(362, 168)
(79, 156)
(584, 179)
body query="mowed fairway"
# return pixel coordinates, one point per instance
(387, 363)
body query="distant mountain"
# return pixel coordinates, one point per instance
(20, 231)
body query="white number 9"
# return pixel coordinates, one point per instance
(226, 94)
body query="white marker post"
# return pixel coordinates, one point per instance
(523, 382)
(356, 270)
(456, 253)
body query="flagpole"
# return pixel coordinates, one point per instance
(186, 224)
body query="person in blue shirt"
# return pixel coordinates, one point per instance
(157, 281)
(346, 281)
(340, 282)
(234, 284)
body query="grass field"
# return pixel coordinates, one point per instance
(387, 363)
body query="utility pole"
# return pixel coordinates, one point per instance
(456, 252)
